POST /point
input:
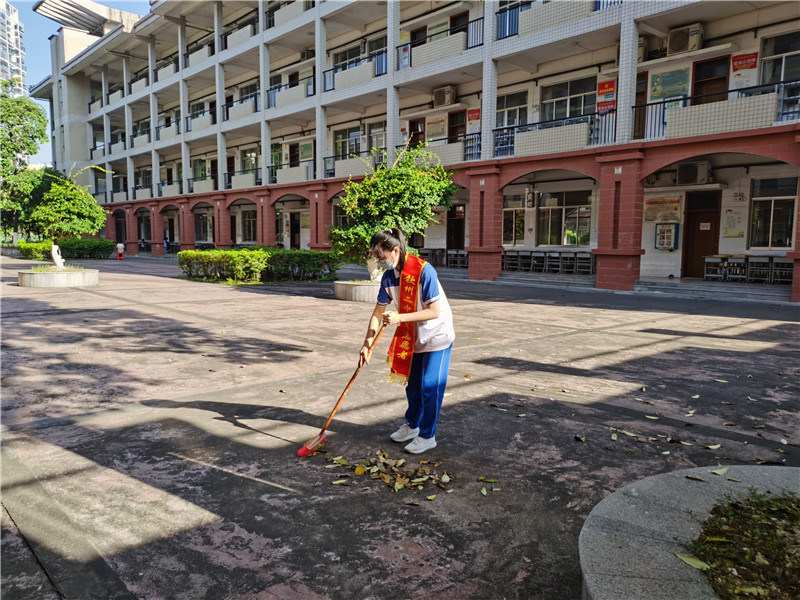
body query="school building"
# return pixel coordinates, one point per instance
(620, 139)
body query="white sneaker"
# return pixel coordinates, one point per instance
(404, 434)
(420, 444)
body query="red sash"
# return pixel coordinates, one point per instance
(401, 350)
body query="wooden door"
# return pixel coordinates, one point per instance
(701, 233)
(455, 227)
(294, 230)
(417, 131)
(233, 229)
(640, 112)
(456, 126)
(294, 155)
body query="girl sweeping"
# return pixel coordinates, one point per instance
(420, 351)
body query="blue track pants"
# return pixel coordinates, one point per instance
(425, 390)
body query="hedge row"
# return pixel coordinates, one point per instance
(71, 248)
(257, 264)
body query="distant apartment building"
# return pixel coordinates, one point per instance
(12, 48)
(617, 139)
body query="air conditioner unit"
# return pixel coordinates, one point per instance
(444, 96)
(307, 54)
(685, 39)
(642, 49)
(694, 173)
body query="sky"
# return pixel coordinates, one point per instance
(38, 30)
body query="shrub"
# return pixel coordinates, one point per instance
(76, 247)
(258, 264)
(35, 250)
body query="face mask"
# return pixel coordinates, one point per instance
(387, 264)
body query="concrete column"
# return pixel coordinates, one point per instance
(182, 44)
(262, 17)
(155, 159)
(626, 83)
(104, 84)
(266, 152)
(320, 49)
(266, 138)
(151, 60)
(218, 27)
(393, 138)
(322, 141)
(131, 232)
(222, 160)
(126, 75)
(488, 108)
(129, 167)
(185, 160)
(109, 178)
(219, 73)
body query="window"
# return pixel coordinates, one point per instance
(513, 220)
(347, 142)
(564, 219)
(781, 60)
(197, 109)
(276, 154)
(569, 99)
(340, 218)
(341, 59)
(143, 225)
(772, 212)
(512, 109)
(249, 159)
(249, 223)
(377, 135)
(199, 168)
(248, 92)
(201, 231)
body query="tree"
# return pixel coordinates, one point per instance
(23, 127)
(21, 194)
(401, 196)
(67, 209)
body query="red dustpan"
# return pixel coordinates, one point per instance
(312, 444)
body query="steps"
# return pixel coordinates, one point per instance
(549, 280)
(716, 290)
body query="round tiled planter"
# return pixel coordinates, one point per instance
(357, 291)
(58, 279)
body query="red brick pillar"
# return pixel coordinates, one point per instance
(269, 223)
(187, 227)
(157, 245)
(796, 257)
(321, 217)
(111, 230)
(222, 233)
(485, 224)
(619, 240)
(131, 232)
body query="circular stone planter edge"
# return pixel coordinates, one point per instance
(356, 291)
(58, 279)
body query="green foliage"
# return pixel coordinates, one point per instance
(66, 210)
(21, 193)
(257, 264)
(216, 265)
(35, 250)
(300, 265)
(401, 196)
(86, 247)
(23, 126)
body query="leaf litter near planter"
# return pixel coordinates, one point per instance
(396, 473)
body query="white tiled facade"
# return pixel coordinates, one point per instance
(12, 48)
(564, 122)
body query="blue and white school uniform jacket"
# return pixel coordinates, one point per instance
(432, 335)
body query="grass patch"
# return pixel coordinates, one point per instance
(752, 547)
(54, 269)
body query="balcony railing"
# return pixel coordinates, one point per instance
(211, 119)
(138, 134)
(202, 184)
(142, 192)
(120, 87)
(242, 107)
(734, 110)
(204, 46)
(380, 67)
(508, 19)
(242, 179)
(601, 4)
(98, 149)
(142, 78)
(513, 141)
(160, 128)
(164, 63)
(293, 9)
(306, 86)
(164, 188)
(91, 108)
(293, 172)
(248, 23)
(447, 44)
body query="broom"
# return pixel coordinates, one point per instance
(312, 444)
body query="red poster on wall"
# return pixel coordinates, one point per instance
(745, 61)
(606, 88)
(606, 105)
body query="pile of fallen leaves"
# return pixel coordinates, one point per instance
(395, 472)
(749, 547)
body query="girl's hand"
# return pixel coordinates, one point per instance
(363, 356)
(391, 318)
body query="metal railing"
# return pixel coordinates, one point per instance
(650, 120)
(602, 130)
(227, 178)
(249, 20)
(601, 4)
(138, 76)
(163, 184)
(254, 98)
(205, 41)
(379, 58)
(140, 133)
(269, 21)
(98, 148)
(113, 90)
(197, 115)
(309, 164)
(175, 123)
(272, 93)
(92, 101)
(137, 188)
(508, 19)
(192, 180)
(473, 29)
(172, 59)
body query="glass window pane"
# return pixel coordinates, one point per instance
(781, 186)
(759, 223)
(560, 110)
(782, 222)
(519, 226)
(576, 106)
(558, 90)
(791, 68)
(508, 226)
(582, 86)
(517, 99)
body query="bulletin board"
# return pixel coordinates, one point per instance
(671, 83)
(666, 236)
(667, 208)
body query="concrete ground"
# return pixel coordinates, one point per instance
(151, 427)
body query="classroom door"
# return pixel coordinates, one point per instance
(455, 227)
(701, 234)
(294, 230)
